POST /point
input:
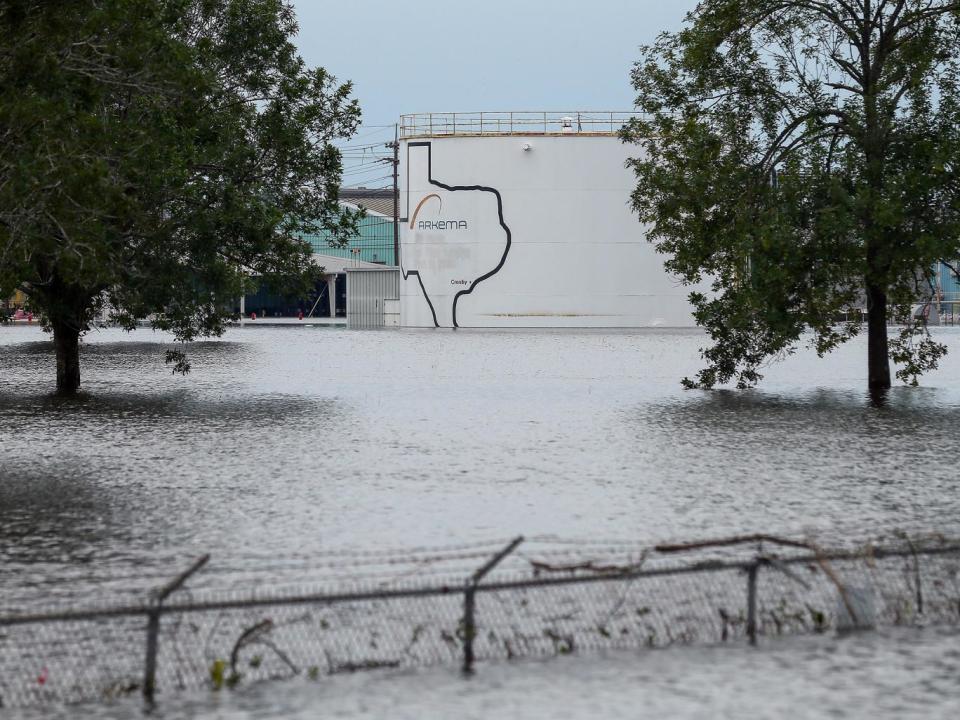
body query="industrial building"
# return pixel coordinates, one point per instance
(374, 247)
(375, 241)
(523, 220)
(514, 219)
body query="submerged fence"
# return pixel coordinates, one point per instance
(467, 603)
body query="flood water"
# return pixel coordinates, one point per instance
(284, 441)
(906, 675)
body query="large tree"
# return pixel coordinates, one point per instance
(154, 153)
(803, 156)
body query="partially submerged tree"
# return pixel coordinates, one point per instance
(153, 153)
(803, 156)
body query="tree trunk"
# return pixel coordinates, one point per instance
(66, 340)
(878, 355)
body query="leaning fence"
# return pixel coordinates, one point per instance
(470, 603)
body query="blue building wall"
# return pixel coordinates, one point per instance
(375, 242)
(947, 282)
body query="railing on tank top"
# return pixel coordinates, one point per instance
(515, 123)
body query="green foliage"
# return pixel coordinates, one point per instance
(799, 159)
(151, 154)
(916, 352)
(218, 674)
(178, 358)
(819, 619)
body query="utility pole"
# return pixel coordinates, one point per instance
(396, 194)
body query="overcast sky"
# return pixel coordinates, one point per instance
(407, 56)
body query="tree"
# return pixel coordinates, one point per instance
(152, 154)
(803, 156)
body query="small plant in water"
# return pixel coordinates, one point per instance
(218, 671)
(562, 644)
(819, 619)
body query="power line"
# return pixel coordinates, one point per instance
(361, 146)
(370, 164)
(368, 160)
(366, 184)
(383, 177)
(361, 171)
(372, 132)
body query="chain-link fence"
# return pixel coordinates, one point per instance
(364, 611)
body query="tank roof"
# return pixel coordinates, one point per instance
(524, 122)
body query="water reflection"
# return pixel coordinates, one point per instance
(180, 404)
(902, 674)
(904, 410)
(879, 397)
(111, 489)
(825, 462)
(283, 440)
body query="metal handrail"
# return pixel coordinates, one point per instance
(515, 122)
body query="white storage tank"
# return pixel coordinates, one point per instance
(523, 220)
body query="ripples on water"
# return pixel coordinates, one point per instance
(907, 675)
(283, 440)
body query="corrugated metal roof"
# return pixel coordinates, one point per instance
(377, 200)
(336, 264)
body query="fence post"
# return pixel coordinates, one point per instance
(469, 626)
(153, 625)
(470, 602)
(752, 601)
(150, 665)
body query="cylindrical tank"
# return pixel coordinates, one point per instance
(514, 225)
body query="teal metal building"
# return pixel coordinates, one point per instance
(947, 281)
(375, 241)
(374, 244)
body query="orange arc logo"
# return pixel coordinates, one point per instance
(423, 202)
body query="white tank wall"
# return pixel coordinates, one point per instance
(578, 257)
